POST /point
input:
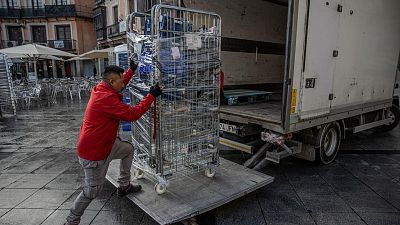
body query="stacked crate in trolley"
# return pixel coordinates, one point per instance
(7, 95)
(179, 49)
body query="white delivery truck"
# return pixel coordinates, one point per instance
(330, 65)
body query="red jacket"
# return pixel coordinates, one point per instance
(102, 117)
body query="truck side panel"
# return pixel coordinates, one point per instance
(369, 42)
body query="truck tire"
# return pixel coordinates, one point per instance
(328, 143)
(394, 114)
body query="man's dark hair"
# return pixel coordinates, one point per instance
(110, 70)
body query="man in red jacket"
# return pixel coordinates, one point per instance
(98, 143)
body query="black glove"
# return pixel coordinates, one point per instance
(133, 63)
(155, 91)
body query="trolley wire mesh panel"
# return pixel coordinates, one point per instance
(7, 95)
(179, 49)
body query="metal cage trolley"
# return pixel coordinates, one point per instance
(179, 49)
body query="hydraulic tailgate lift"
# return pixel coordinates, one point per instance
(187, 197)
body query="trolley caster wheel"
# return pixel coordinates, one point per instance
(209, 173)
(138, 174)
(160, 188)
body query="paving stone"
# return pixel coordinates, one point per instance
(59, 217)
(25, 217)
(9, 198)
(324, 202)
(46, 199)
(147, 220)
(117, 217)
(391, 196)
(7, 179)
(13, 159)
(52, 168)
(334, 169)
(66, 181)
(346, 183)
(358, 166)
(280, 182)
(32, 163)
(287, 219)
(3, 211)
(376, 183)
(337, 218)
(297, 167)
(30, 137)
(311, 184)
(5, 148)
(245, 210)
(366, 202)
(32, 181)
(381, 218)
(276, 200)
(33, 150)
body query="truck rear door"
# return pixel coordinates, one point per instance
(319, 57)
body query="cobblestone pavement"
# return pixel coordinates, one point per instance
(40, 177)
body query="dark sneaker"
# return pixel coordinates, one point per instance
(122, 191)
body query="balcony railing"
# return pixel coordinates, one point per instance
(60, 10)
(47, 11)
(113, 30)
(68, 10)
(10, 13)
(65, 45)
(19, 13)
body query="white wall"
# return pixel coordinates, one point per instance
(255, 20)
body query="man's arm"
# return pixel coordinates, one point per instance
(121, 111)
(128, 74)
(133, 64)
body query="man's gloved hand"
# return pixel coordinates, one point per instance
(133, 62)
(155, 91)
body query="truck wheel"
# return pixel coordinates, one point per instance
(394, 115)
(328, 142)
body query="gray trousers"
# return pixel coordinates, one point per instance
(95, 175)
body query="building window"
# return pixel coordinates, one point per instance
(61, 2)
(39, 34)
(63, 32)
(145, 5)
(12, 3)
(115, 14)
(37, 3)
(14, 35)
(99, 18)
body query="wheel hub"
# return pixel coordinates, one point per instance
(330, 142)
(392, 117)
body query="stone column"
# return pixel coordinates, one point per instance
(53, 62)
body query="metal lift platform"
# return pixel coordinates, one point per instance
(187, 197)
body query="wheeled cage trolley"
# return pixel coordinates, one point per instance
(179, 49)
